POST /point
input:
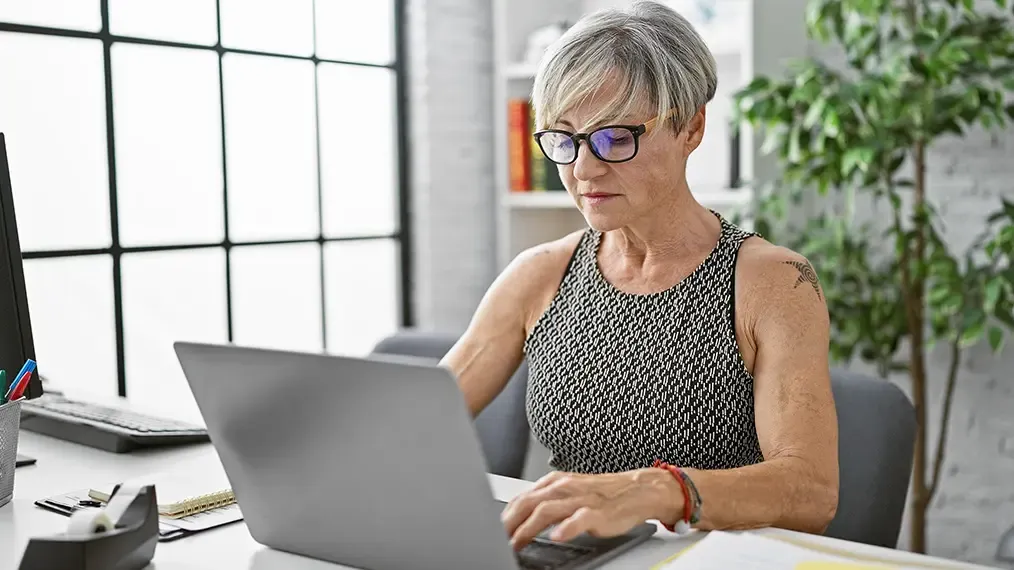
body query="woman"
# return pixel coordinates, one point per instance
(662, 335)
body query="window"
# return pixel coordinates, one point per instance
(210, 170)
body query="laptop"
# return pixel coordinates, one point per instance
(366, 462)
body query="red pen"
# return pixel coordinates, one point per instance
(21, 386)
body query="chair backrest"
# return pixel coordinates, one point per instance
(503, 426)
(876, 439)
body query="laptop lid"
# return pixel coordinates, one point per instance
(365, 462)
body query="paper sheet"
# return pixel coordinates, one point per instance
(838, 566)
(723, 550)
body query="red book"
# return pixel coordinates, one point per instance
(519, 145)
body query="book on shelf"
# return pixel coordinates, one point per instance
(518, 144)
(530, 170)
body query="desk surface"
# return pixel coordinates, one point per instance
(64, 467)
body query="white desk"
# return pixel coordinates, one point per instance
(64, 467)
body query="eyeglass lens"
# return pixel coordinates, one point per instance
(609, 143)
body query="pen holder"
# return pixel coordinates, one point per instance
(130, 545)
(10, 424)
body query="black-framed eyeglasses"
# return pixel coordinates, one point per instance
(611, 143)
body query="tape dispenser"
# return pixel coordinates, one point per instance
(120, 536)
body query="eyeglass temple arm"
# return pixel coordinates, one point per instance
(648, 125)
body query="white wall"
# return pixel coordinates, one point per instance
(451, 83)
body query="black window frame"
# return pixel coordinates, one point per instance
(402, 236)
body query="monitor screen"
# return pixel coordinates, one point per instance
(16, 343)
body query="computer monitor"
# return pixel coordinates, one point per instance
(16, 343)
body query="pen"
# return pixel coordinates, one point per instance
(22, 384)
(28, 367)
(3, 385)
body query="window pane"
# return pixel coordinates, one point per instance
(270, 137)
(169, 296)
(71, 14)
(53, 113)
(70, 301)
(361, 280)
(276, 296)
(168, 145)
(186, 21)
(358, 166)
(355, 31)
(273, 26)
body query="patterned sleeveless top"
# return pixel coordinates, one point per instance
(617, 380)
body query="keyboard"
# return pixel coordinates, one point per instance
(104, 427)
(544, 555)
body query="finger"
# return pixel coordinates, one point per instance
(520, 507)
(543, 516)
(540, 483)
(550, 478)
(584, 520)
(598, 521)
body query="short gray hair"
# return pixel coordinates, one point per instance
(656, 55)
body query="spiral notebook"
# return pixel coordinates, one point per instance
(181, 495)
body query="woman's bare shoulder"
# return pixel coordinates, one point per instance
(772, 277)
(548, 257)
(759, 260)
(535, 274)
(543, 264)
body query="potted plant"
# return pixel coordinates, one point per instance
(914, 72)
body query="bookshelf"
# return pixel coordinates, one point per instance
(755, 41)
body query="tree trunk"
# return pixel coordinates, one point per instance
(915, 291)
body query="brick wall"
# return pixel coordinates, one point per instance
(975, 501)
(451, 96)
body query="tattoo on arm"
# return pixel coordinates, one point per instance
(806, 274)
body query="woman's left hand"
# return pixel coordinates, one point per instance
(601, 505)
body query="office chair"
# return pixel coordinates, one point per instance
(503, 426)
(876, 441)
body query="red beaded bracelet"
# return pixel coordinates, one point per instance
(689, 508)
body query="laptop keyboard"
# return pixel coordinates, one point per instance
(540, 555)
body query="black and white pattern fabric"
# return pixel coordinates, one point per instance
(618, 380)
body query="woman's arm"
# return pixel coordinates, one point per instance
(796, 486)
(491, 348)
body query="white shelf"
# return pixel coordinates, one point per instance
(540, 199)
(719, 198)
(520, 71)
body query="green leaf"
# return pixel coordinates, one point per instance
(993, 289)
(996, 339)
(972, 334)
(1004, 315)
(814, 113)
(832, 123)
(795, 148)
